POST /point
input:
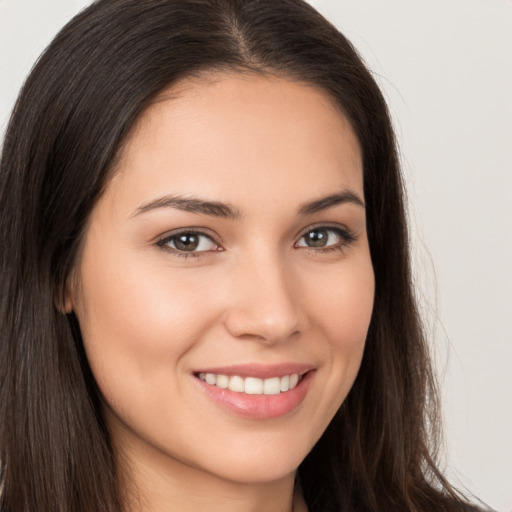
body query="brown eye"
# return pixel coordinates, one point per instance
(325, 238)
(188, 242)
(316, 238)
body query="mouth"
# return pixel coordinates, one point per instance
(253, 385)
(257, 392)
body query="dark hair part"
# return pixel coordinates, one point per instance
(73, 114)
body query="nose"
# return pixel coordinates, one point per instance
(264, 302)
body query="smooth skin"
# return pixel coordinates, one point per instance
(163, 288)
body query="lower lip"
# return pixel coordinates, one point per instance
(259, 406)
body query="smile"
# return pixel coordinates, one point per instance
(252, 385)
(257, 391)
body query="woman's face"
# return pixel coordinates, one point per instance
(227, 259)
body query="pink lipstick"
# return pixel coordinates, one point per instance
(257, 391)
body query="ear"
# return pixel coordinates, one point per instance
(67, 306)
(64, 297)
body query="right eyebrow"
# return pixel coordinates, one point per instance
(324, 203)
(190, 204)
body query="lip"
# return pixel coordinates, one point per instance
(258, 407)
(258, 370)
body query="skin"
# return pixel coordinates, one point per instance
(255, 293)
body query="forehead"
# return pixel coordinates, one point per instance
(242, 132)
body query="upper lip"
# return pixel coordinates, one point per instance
(261, 371)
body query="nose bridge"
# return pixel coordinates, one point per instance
(265, 304)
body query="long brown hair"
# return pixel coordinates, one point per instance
(76, 108)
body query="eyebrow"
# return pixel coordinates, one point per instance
(191, 204)
(324, 203)
(218, 209)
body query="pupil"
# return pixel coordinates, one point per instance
(317, 238)
(186, 242)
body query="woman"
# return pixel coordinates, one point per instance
(206, 287)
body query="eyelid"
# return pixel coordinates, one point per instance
(164, 239)
(340, 228)
(347, 235)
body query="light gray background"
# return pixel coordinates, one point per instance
(446, 69)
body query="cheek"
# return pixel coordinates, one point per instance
(343, 304)
(343, 312)
(135, 322)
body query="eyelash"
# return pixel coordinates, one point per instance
(346, 238)
(163, 243)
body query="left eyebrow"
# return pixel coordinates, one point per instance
(324, 203)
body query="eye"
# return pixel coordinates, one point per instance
(188, 242)
(325, 238)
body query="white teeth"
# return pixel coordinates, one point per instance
(294, 379)
(222, 381)
(272, 386)
(210, 378)
(285, 383)
(252, 385)
(236, 384)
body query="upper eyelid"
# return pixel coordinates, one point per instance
(346, 235)
(192, 230)
(163, 244)
(326, 226)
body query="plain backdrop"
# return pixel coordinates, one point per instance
(446, 68)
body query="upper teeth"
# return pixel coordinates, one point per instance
(252, 385)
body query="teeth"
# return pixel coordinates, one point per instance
(252, 385)
(236, 384)
(210, 378)
(285, 383)
(222, 381)
(272, 386)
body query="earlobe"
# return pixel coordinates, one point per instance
(63, 303)
(64, 296)
(66, 306)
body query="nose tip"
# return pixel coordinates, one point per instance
(263, 327)
(265, 308)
